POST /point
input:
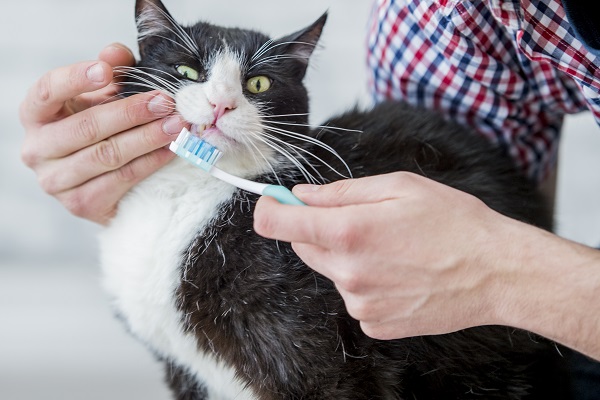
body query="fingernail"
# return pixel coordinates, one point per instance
(305, 188)
(95, 73)
(159, 105)
(172, 125)
(118, 47)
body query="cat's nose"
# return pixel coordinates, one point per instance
(221, 107)
(223, 97)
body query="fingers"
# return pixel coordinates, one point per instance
(277, 221)
(88, 158)
(48, 95)
(108, 155)
(117, 54)
(337, 228)
(73, 84)
(62, 138)
(97, 199)
(358, 191)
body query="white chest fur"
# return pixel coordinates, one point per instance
(141, 256)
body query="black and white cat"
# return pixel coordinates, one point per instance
(237, 316)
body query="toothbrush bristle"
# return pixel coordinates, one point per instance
(195, 150)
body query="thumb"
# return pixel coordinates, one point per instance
(116, 55)
(372, 189)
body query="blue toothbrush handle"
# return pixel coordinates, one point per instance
(282, 195)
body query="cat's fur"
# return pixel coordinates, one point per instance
(237, 316)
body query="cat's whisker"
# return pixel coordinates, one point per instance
(316, 142)
(323, 127)
(274, 45)
(298, 151)
(307, 175)
(184, 47)
(146, 86)
(189, 44)
(285, 115)
(295, 149)
(153, 81)
(120, 96)
(144, 70)
(259, 61)
(167, 106)
(148, 80)
(149, 77)
(298, 159)
(268, 60)
(261, 50)
(250, 143)
(117, 96)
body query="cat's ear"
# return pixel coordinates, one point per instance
(152, 19)
(300, 45)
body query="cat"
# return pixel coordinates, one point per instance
(236, 316)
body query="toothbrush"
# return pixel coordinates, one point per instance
(204, 156)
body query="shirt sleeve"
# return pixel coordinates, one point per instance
(458, 58)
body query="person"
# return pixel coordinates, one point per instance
(409, 256)
(413, 257)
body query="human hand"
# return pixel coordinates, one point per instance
(87, 146)
(404, 251)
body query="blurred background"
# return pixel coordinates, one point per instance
(58, 338)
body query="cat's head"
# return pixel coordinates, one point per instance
(241, 88)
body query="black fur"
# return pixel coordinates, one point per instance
(285, 327)
(256, 306)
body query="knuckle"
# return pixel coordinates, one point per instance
(134, 113)
(149, 138)
(80, 203)
(29, 155)
(25, 116)
(349, 280)
(359, 309)
(48, 183)
(346, 236)
(87, 129)
(139, 168)
(375, 331)
(401, 179)
(107, 153)
(341, 187)
(74, 201)
(126, 174)
(43, 88)
(74, 77)
(154, 161)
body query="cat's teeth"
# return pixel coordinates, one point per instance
(197, 129)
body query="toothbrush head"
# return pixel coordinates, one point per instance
(195, 150)
(204, 155)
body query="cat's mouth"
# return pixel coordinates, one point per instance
(211, 133)
(199, 130)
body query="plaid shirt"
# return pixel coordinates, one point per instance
(510, 69)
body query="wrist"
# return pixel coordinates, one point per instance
(547, 285)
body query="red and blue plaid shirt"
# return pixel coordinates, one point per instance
(510, 69)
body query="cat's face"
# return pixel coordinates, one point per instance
(240, 90)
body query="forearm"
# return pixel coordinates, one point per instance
(550, 286)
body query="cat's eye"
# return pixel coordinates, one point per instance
(188, 72)
(258, 84)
